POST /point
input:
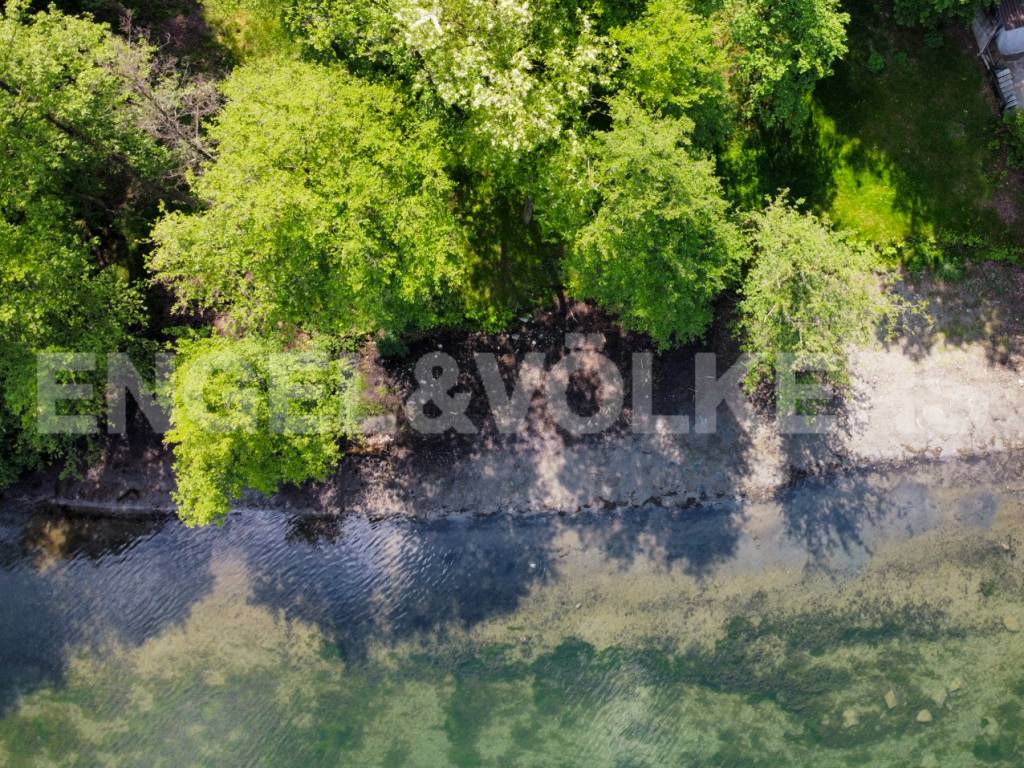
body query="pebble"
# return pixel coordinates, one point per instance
(924, 716)
(890, 699)
(578, 606)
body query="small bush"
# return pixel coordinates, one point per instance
(923, 13)
(876, 63)
(390, 346)
(811, 292)
(947, 254)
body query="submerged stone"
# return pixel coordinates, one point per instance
(1012, 623)
(850, 718)
(890, 699)
(924, 716)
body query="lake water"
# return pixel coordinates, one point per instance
(867, 619)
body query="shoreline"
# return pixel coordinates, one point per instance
(949, 388)
(964, 464)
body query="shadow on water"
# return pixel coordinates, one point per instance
(833, 515)
(32, 636)
(72, 582)
(361, 582)
(695, 540)
(358, 580)
(837, 518)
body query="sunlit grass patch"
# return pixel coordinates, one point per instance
(913, 142)
(902, 147)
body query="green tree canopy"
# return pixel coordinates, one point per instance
(248, 415)
(71, 126)
(675, 64)
(512, 74)
(931, 12)
(810, 292)
(377, 167)
(781, 48)
(659, 245)
(328, 208)
(73, 163)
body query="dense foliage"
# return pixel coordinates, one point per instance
(658, 245)
(781, 50)
(673, 64)
(328, 209)
(248, 415)
(376, 168)
(931, 12)
(75, 169)
(514, 72)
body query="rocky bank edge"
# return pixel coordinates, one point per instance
(950, 387)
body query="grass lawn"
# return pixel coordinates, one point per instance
(904, 149)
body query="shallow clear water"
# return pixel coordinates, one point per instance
(813, 630)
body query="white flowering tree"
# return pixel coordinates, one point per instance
(512, 72)
(516, 70)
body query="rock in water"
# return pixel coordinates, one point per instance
(890, 699)
(1012, 623)
(924, 716)
(850, 718)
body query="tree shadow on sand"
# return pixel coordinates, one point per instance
(826, 509)
(364, 581)
(982, 308)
